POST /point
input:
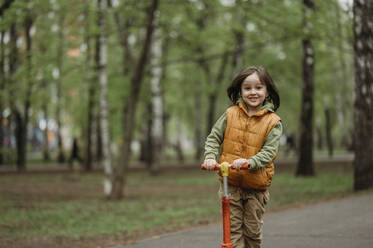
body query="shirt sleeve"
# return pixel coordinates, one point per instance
(215, 138)
(269, 149)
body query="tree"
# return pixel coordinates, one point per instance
(130, 108)
(91, 90)
(305, 160)
(2, 94)
(328, 131)
(23, 122)
(6, 5)
(106, 143)
(363, 60)
(59, 75)
(157, 103)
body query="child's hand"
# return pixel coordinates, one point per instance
(210, 164)
(238, 163)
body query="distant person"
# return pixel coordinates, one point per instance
(248, 133)
(75, 153)
(290, 144)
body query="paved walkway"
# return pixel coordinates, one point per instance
(345, 223)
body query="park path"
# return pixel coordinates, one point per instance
(344, 223)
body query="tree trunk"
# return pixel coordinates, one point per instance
(319, 144)
(130, 109)
(2, 92)
(5, 6)
(178, 145)
(146, 146)
(363, 32)
(91, 95)
(198, 120)
(46, 154)
(328, 131)
(212, 97)
(44, 105)
(99, 138)
(157, 104)
(128, 59)
(22, 121)
(108, 183)
(99, 148)
(60, 52)
(21, 158)
(305, 160)
(202, 63)
(237, 61)
(165, 114)
(21, 166)
(13, 66)
(145, 140)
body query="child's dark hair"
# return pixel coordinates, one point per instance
(234, 90)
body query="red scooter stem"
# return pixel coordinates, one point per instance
(226, 223)
(224, 167)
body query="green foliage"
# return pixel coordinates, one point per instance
(198, 29)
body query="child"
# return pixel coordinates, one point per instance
(248, 132)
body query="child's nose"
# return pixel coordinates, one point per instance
(252, 91)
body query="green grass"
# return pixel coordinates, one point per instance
(287, 189)
(73, 206)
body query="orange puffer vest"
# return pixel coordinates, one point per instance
(244, 137)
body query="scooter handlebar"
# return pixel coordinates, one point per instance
(246, 166)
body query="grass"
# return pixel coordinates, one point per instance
(72, 206)
(287, 189)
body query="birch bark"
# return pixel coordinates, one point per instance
(157, 103)
(108, 181)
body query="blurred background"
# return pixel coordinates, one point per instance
(129, 86)
(51, 60)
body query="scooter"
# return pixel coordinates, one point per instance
(224, 170)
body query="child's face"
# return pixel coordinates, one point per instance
(253, 92)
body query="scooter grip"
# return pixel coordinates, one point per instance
(245, 166)
(203, 167)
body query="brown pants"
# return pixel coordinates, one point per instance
(247, 208)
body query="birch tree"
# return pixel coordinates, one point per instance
(103, 98)
(363, 60)
(157, 103)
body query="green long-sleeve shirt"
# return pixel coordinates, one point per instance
(262, 158)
